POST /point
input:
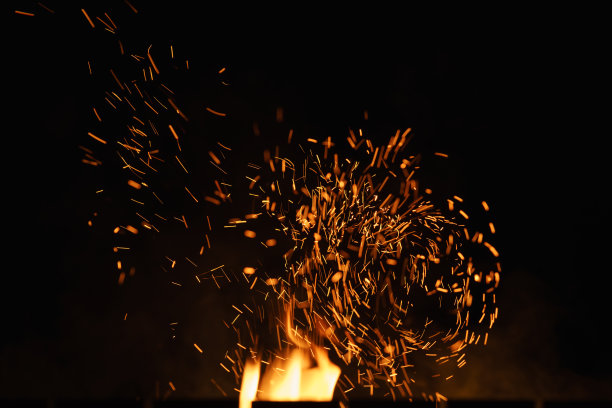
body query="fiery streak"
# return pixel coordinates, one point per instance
(88, 19)
(96, 138)
(214, 112)
(24, 13)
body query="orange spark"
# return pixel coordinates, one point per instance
(96, 138)
(214, 112)
(88, 19)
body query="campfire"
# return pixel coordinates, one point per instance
(290, 378)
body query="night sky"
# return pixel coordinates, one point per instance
(512, 100)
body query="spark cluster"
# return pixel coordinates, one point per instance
(346, 249)
(373, 266)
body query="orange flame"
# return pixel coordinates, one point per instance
(290, 379)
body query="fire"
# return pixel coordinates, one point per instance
(290, 379)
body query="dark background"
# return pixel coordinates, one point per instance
(512, 96)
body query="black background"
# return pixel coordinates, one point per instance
(512, 96)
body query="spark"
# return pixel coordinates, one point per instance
(88, 19)
(24, 13)
(217, 113)
(96, 138)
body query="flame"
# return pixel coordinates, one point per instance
(290, 379)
